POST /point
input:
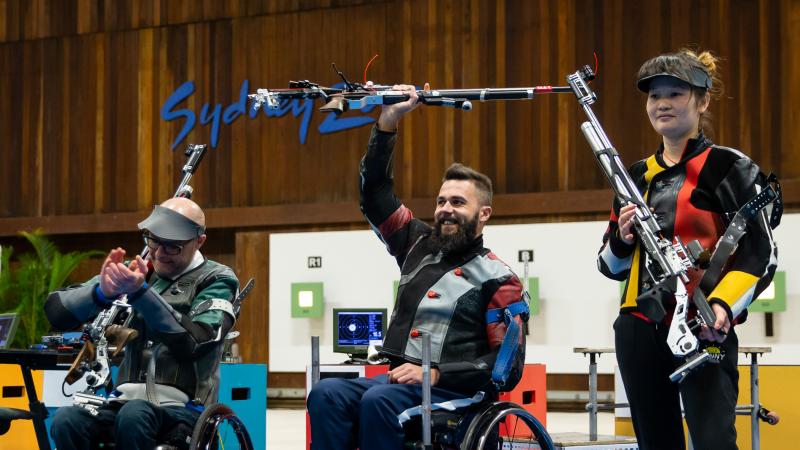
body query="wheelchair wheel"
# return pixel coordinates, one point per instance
(505, 425)
(214, 425)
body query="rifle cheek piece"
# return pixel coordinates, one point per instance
(336, 105)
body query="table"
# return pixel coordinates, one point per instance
(29, 360)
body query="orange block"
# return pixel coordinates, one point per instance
(530, 393)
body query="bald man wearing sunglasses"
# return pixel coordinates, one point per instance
(182, 309)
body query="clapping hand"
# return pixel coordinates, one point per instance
(117, 279)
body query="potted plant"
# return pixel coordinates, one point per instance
(24, 289)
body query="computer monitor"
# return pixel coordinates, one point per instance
(8, 328)
(355, 329)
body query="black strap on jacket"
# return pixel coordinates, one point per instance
(735, 231)
(777, 204)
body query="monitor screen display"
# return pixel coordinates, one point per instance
(356, 329)
(8, 327)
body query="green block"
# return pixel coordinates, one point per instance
(307, 300)
(773, 299)
(533, 292)
(395, 287)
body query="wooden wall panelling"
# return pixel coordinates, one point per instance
(121, 108)
(245, 134)
(175, 58)
(404, 155)
(37, 19)
(456, 34)
(86, 153)
(32, 105)
(147, 117)
(252, 260)
(769, 35)
(96, 141)
(788, 90)
(528, 123)
(304, 175)
(219, 164)
(500, 179)
(544, 163)
(80, 91)
(93, 99)
(432, 55)
(535, 206)
(271, 148)
(12, 166)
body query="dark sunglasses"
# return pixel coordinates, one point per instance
(171, 248)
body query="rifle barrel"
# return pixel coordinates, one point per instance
(485, 94)
(431, 97)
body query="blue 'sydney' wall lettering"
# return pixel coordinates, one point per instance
(217, 116)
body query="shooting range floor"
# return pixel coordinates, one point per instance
(286, 428)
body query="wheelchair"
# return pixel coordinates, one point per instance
(486, 425)
(209, 430)
(212, 426)
(207, 434)
(489, 425)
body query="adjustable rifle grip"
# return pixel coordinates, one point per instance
(76, 370)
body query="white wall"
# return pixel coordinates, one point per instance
(578, 303)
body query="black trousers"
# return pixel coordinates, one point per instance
(134, 426)
(709, 394)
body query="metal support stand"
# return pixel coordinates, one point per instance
(526, 284)
(592, 396)
(426, 390)
(755, 405)
(755, 432)
(593, 407)
(314, 361)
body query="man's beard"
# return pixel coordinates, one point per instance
(458, 241)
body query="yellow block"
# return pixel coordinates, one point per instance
(21, 435)
(778, 391)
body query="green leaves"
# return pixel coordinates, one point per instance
(24, 289)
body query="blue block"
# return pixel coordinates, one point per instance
(51, 411)
(243, 387)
